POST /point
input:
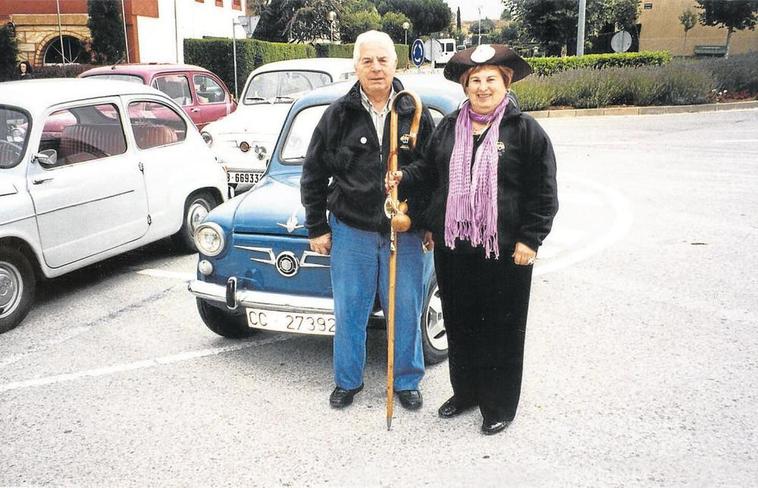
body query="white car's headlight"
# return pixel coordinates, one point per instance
(207, 137)
(209, 239)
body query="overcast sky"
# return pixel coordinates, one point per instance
(491, 9)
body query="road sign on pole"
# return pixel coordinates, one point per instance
(417, 52)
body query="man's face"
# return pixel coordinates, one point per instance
(375, 69)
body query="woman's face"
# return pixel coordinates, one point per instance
(486, 89)
(22, 66)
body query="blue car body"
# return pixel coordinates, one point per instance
(264, 266)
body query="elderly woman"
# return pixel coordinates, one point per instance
(491, 170)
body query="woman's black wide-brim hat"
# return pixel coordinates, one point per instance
(492, 54)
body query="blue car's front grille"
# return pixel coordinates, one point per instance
(275, 264)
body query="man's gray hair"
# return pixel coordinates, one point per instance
(374, 37)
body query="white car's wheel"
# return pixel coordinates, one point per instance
(17, 286)
(433, 333)
(196, 208)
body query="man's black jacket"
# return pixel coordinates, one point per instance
(345, 147)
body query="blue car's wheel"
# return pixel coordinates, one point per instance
(222, 322)
(433, 333)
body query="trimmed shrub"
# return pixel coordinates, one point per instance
(550, 66)
(60, 71)
(346, 51)
(216, 55)
(738, 73)
(534, 93)
(8, 54)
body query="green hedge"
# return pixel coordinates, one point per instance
(550, 66)
(671, 84)
(216, 56)
(346, 51)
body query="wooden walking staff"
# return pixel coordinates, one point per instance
(399, 222)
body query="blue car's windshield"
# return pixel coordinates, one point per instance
(299, 135)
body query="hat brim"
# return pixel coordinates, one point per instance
(487, 54)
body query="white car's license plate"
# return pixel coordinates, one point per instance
(235, 177)
(303, 323)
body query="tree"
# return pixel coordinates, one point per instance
(107, 28)
(358, 16)
(688, 20)
(734, 15)
(8, 54)
(392, 24)
(554, 24)
(458, 20)
(275, 17)
(311, 21)
(427, 16)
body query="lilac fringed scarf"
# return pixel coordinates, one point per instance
(471, 212)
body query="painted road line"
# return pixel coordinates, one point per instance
(162, 273)
(137, 365)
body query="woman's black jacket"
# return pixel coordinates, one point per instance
(527, 197)
(345, 147)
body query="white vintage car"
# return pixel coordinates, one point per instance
(243, 140)
(90, 169)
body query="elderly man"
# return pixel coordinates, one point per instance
(349, 146)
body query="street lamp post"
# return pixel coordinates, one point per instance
(332, 17)
(406, 26)
(479, 8)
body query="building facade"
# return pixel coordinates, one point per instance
(155, 29)
(661, 29)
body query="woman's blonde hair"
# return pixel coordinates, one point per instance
(505, 72)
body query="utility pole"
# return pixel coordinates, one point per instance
(580, 28)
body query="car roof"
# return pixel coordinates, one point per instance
(34, 95)
(141, 69)
(330, 65)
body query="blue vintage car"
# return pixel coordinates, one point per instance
(256, 270)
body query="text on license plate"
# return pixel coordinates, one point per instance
(303, 323)
(233, 177)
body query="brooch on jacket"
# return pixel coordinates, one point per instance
(500, 148)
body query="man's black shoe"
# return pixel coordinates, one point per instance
(410, 399)
(341, 398)
(490, 427)
(453, 407)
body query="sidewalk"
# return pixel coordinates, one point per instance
(668, 109)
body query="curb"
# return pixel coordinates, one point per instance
(669, 109)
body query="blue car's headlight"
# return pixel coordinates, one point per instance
(209, 239)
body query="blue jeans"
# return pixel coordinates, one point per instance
(359, 266)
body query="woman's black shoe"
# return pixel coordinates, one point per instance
(490, 428)
(453, 407)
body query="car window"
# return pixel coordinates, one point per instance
(84, 133)
(283, 86)
(176, 87)
(300, 133)
(155, 124)
(436, 115)
(118, 77)
(208, 90)
(14, 132)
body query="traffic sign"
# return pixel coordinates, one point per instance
(621, 41)
(417, 52)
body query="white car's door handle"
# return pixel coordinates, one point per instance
(39, 181)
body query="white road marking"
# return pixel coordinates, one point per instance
(162, 273)
(620, 226)
(147, 363)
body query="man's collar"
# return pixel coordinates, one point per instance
(367, 102)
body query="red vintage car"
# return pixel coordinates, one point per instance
(198, 91)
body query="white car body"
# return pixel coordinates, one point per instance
(86, 207)
(243, 140)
